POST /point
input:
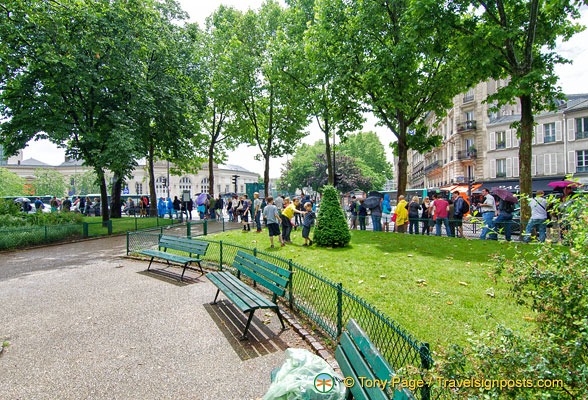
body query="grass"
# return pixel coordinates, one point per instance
(125, 224)
(441, 289)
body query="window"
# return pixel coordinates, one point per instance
(227, 189)
(469, 144)
(582, 165)
(161, 187)
(468, 96)
(469, 116)
(501, 168)
(549, 130)
(242, 189)
(204, 185)
(501, 140)
(185, 184)
(139, 188)
(582, 128)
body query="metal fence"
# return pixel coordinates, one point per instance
(322, 301)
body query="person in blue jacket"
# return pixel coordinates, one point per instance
(170, 207)
(386, 211)
(161, 207)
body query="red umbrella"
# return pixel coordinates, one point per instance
(504, 194)
(561, 184)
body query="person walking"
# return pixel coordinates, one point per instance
(66, 205)
(538, 219)
(246, 204)
(353, 207)
(190, 207)
(87, 206)
(461, 207)
(441, 212)
(161, 207)
(219, 206)
(386, 213)
(271, 214)
(427, 215)
(488, 210)
(401, 215)
(257, 211)
(230, 209)
(362, 215)
(413, 216)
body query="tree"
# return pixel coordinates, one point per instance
(87, 183)
(353, 177)
(300, 167)
(49, 182)
(366, 148)
(331, 229)
(516, 39)
(404, 65)
(221, 99)
(271, 107)
(11, 184)
(331, 101)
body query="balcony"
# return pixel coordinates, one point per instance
(471, 154)
(466, 126)
(433, 166)
(468, 97)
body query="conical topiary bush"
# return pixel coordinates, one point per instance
(331, 229)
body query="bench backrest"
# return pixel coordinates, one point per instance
(183, 244)
(358, 357)
(266, 274)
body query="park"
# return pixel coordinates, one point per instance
(293, 200)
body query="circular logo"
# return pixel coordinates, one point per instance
(323, 383)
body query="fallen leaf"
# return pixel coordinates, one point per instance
(409, 255)
(449, 303)
(421, 280)
(383, 276)
(360, 282)
(529, 318)
(464, 283)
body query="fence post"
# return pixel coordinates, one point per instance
(223, 224)
(135, 222)
(85, 230)
(110, 227)
(425, 353)
(205, 227)
(220, 265)
(161, 230)
(127, 243)
(255, 252)
(157, 220)
(45, 233)
(339, 309)
(188, 229)
(290, 290)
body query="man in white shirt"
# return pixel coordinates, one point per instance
(488, 210)
(538, 217)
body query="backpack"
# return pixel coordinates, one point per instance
(464, 208)
(509, 207)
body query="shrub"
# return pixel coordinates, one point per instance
(9, 207)
(552, 282)
(331, 229)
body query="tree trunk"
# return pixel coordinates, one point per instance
(330, 172)
(266, 177)
(103, 195)
(115, 197)
(211, 167)
(152, 193)
(525, 156)
(402, 157)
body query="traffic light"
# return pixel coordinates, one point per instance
(235, 179)
(337, 178)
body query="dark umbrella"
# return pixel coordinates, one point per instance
(201, 199)
(562, 184)
(372, 201)
(504, 194)
(22, 200)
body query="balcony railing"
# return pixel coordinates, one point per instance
(467, 154)
(434, 165)
(468, 97)
(466, 126)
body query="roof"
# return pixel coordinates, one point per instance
(505, 119)
(71, 163)
(233, 167)
(33, 162)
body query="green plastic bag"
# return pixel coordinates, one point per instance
(305, 376)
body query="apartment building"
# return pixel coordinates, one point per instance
(479, 145)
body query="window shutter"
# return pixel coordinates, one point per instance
(571, 162)
(515, 167)
(539, 134)
(571, 130)
(540, 169)
(492, 141)
(509, 167)
(534, 133)
(508, 141)
(493, 168)
(515, 140)
(556, 159)
(547, 164)
(558, 133)
(534, 165)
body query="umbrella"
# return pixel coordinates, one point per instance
(372, 201)
(22, 200)
(561, 184)
(201, 199)
(504, 194)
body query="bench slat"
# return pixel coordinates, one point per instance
(344, 363)
(216, 278)
(260, 279)
(169, 256)
(378, 363)
(248, 295)
(360, 367)
(275, 278)
(183, 244)
(280, 271)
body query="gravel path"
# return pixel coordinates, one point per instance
(84, 323)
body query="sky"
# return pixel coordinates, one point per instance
(573, 79)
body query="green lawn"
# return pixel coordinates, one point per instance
(439, 288)
(124, 224)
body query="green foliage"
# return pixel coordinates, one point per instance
(9, 207)
(353, 176)
(49, 182)
(551, 282)
(87, 183)
(40, 219)
(331, 229)
(11, 184)
(366, 146)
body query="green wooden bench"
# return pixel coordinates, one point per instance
(358, 358)
(248, 300)
(177, 243)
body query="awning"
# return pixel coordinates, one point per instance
(514, 187)
(462, 189)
